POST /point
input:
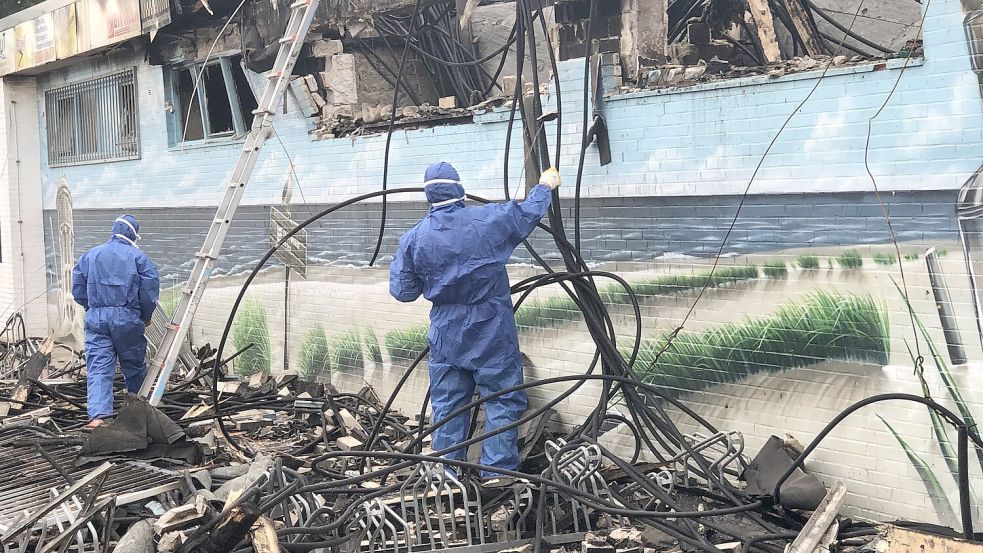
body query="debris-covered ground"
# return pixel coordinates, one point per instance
(303, 467)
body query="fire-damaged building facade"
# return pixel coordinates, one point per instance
(772, 140)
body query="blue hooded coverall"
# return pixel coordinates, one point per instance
(118, 286)
(455, 256)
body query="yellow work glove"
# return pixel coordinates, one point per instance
(551, 178)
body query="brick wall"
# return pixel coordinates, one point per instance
(681, 160)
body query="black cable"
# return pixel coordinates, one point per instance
(592, 13)
(847, 31)
(389, 135)
(389, 75)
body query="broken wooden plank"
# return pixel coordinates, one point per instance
(815, 528)
(26, 419)
(907, 540)
(465, 16)
(805, 26)
(349, 443)
(230, 530)
(764, 27)
(264, 536)
(31, 370)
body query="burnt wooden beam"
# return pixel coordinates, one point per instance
(763, 26)
(805, 25)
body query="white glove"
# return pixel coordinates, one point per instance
(551, 178)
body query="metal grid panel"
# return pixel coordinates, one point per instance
(93, 120)
(30, 479)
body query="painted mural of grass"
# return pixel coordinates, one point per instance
(406, 344)
(850, 259)
(251, 327)
(825, 325)
(808, 262)
(556, 309)
(938, 427)
(615, 294)
(951, 386)
(546, 312)
(775, 269)
(346, 352)
(943, 508)
(372, 346)
(169, 300)
(315, 356)
(911, 257)
(885, 258)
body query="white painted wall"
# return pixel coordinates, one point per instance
(22, 270)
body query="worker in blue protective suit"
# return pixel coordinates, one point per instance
(455, 257)
(118, 286)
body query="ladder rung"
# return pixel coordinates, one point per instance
(204, 255)
(288, 39)
(261, 111)
(274, 75)
(300, 4)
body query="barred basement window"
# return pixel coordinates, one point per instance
(93, 120)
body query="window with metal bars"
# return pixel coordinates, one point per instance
(219, 106)
(93, 120)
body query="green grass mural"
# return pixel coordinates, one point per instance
(315, 356)
(808, 262)
(885, 258)
(406, 344)
(346, 352)
(825, 325)
(251, 327)
(372, 346)
(850, 259)
(169, 300)
(941, 503)
(775, 269)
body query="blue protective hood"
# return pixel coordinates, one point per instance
(441, 183)
(121, 228)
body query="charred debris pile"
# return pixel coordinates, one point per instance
(287, 465)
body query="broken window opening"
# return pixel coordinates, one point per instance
(221, 107)
(247, 101)
(93, 120)
(190, 111)
(217, 102)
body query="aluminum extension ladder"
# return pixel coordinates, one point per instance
(159, 369)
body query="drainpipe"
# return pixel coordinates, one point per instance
(947, 315)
